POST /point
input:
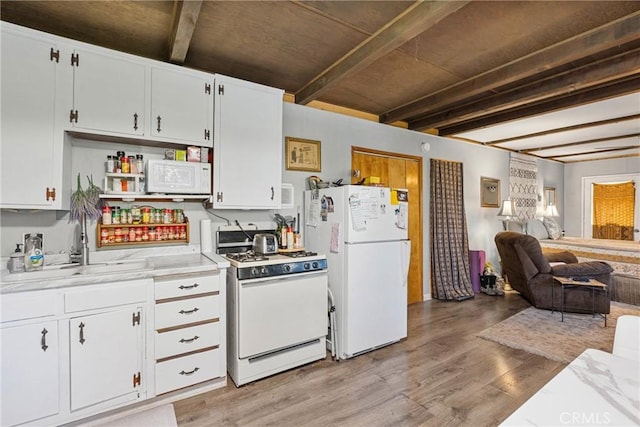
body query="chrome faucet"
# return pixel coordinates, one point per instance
(84, 242)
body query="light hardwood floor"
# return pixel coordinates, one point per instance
(441, 375)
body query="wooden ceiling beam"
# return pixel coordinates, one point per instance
(597, 93)
(592, 42)
(592, 75)
(583, 142)
(566, 129)
(582, 153)
(413, 21)
(185, 17)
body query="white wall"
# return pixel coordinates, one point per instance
(337, 134)
(573, 174)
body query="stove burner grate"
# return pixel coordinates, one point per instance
(249, 256)
(299, 254)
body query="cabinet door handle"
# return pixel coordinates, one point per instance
(43, 340)
(135, 121)
(183, 287)
(159, 119)
(196, 369)
(273, 193)
(189, 340)
(81, 340)
(189, 311)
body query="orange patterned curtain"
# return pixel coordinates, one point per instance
(613, 211)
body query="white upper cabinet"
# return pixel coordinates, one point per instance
(181, 106)
(31, 151)
(108, 93)
(247, 145)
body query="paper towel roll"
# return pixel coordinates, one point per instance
(205, 236)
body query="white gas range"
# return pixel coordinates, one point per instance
(276, 308)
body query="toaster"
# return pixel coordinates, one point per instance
(265, 243)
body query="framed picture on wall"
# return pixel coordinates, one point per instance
(302, 154)
(489, 192)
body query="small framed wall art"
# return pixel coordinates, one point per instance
(489, 192)
(302, 154)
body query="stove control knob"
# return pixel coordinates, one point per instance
(263, 270)
(314, 265)
(307, 266)
(287, 268)
(254, 271)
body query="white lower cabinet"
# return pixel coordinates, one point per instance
(106, 352)
(189, 330)
(72, 353)
(30, 374)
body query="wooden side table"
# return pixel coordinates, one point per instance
(568, 282)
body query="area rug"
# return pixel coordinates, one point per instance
(541, 332)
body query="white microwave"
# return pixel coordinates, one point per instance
(175, 177)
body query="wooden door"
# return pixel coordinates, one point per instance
(398, 171)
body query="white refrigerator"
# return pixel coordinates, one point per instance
(363, 232)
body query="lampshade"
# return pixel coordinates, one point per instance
(507, 209)
(551, 211)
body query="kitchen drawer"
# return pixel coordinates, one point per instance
(188, 370)
(187, 339)
(107, 295)
(190, 310)
(27, 305)
(189, 285)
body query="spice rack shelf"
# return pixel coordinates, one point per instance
(124, 183)
(106, 234)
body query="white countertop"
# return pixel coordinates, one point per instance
(597, 388)
(117, 265)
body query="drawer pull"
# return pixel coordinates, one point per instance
(188, 340)
(196, 369)
(43, 341)
(189, 311)
(195, 285)
(81, 340)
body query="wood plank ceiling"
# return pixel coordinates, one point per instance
(516, 74)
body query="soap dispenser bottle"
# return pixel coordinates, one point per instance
(33, 257)
(16, 260)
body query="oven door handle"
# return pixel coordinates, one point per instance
(274, 279)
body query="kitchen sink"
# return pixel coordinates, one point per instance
(70, 270)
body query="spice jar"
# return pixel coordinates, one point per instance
(135, 215)
(125, 234)
(118, 162)
(118, 234)
(110, 165)
(145, 234)
(132, 234)
(106, 215)
(133, 166)
(139, 234)
(157, 216)
(178, 216)
(115, 215)
(146, 215)
(125, 166)
(152, 233)
(167, 216)
(139, 164)
(104, 236)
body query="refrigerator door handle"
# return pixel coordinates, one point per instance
(406, 258)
